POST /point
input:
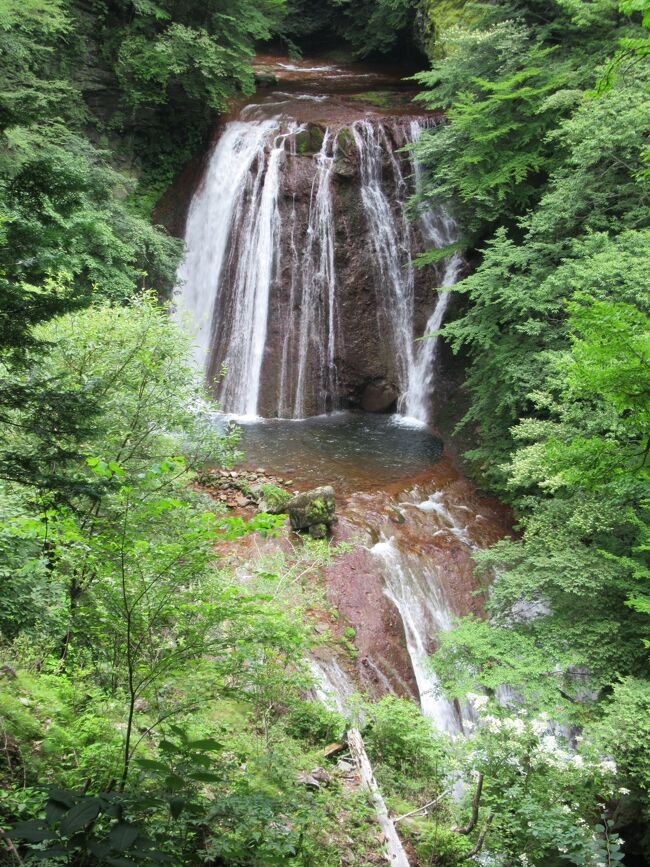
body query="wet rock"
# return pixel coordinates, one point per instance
(308, 780)
(313, 508)
(322, 776)
(379, 396)
(265, 79)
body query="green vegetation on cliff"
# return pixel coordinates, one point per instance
(544, 160)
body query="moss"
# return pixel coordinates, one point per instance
(275, 498)
(378, 98)
(310, 140)
(345, 139)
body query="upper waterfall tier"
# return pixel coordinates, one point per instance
(299, 277)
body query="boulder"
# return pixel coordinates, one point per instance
(273, 500)
(313, 508)
(378, 396)
(265, 79)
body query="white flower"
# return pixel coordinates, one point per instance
(539, 726)
(477, 701)
(492, 724)
(578, 762)
(623, 791)
(516, 726)
(608, 766)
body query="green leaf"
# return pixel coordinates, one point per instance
(122, 836)
(174, 783)
(80, 816)
(176, 807)
(204, 776)
(205, 744)
(34, 831)
(54, 810)
(48, 854)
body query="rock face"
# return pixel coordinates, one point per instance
(312, 511)
(345, 304)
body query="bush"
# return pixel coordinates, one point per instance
(401, 738)
(314, 723)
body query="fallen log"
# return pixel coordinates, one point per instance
(392, 843)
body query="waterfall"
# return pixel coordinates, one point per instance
(262, 284)
(210, 224)
(317, 325)
(391, 244)
(439, 230)
(415, 593)
(252, 285)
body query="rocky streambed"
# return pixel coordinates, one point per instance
(405, 538)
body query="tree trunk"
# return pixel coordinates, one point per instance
(393, 844)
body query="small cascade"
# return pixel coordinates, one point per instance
(316, 338)
(210, 224)
(251, 289)
(333, 688)
(415, 592)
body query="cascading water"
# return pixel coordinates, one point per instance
(251, 288)
(391, 243)
(441, 231)
(210, 224)
(416, 594)
(269, 270)
(317, 321)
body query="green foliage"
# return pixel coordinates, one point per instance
(313, 722)
(365, 27)
(543, 159)
(275, 498)
(540, 794)
(401, 738)
(205, 52)
(623, 733)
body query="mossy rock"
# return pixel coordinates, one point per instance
(378, 98)
(314, 508)
(309, 141)
(273, 500)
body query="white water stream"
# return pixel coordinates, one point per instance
(415, 592)
(210, 224)
(249, 257)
